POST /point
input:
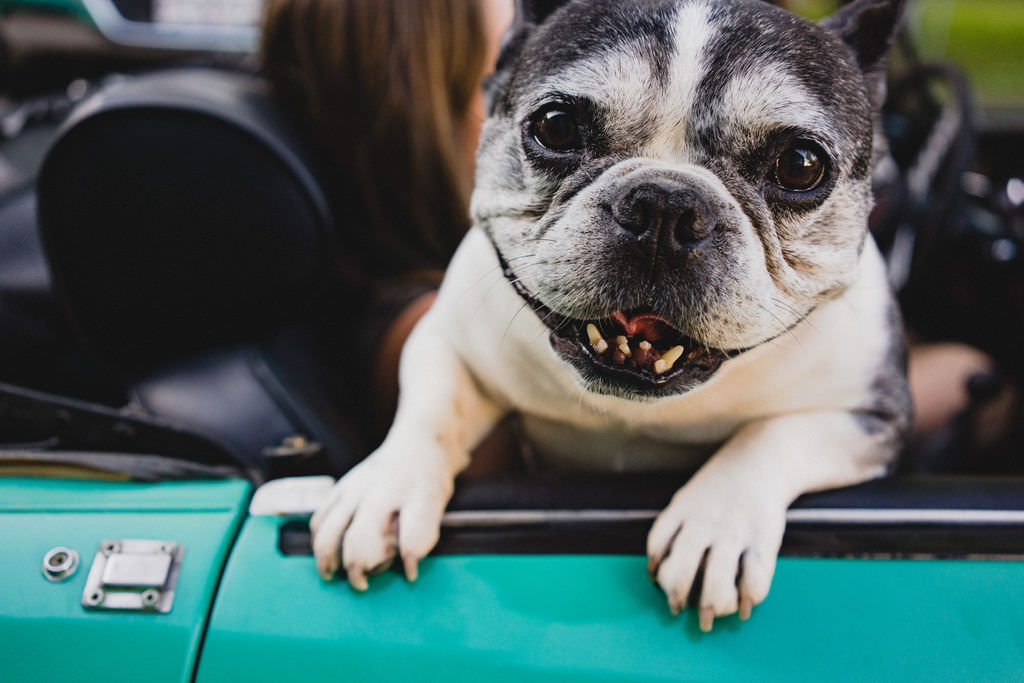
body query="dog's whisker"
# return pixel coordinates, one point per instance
(801, 317)
(508, 327)
(788, 329)
(491, 272)
(521, 256)
(501, 277)
(497, 278)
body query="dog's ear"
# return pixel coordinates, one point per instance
(528, 15)
(869, 27)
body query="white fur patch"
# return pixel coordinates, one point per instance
(693, 33)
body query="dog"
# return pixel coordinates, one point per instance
(669, 266)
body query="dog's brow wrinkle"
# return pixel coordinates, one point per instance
(769, 97)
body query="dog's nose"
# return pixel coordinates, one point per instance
(674, 217)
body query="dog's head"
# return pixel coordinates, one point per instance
(690, 175)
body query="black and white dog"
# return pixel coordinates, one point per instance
(670, 265)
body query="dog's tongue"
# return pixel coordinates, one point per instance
(645, 325)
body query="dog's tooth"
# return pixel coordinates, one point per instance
(642, 354)
(668, 359)
(600, 346)
(620, 340)
(593, 333)
(624, 348)
(672, 355)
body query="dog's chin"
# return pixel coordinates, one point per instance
(635, 354)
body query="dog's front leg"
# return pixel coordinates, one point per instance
(728, 520)
(392, 502)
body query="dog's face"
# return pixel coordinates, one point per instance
(692, 175)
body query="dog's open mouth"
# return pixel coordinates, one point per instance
(636, 348)
(644, 344)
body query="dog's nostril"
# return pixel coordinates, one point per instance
(692, 225)
(638, 211)
(683, 227)
(638, 221)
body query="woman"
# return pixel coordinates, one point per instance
(390, 91)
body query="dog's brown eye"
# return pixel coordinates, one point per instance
(556, 130)
(799, 169)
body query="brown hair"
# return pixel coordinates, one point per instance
(384, 87)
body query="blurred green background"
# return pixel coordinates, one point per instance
(984, 37)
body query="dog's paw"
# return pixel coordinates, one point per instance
(729, 538)
(383, 508)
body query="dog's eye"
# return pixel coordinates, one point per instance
(799, 169)
(556, 129)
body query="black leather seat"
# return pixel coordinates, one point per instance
(177, 212)
(188, 245)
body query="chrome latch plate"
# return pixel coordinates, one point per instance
(133, 574)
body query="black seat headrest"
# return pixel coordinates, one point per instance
(178, 212)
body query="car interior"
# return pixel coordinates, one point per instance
(164, 248)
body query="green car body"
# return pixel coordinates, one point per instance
(244, 610)
(45, 632)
